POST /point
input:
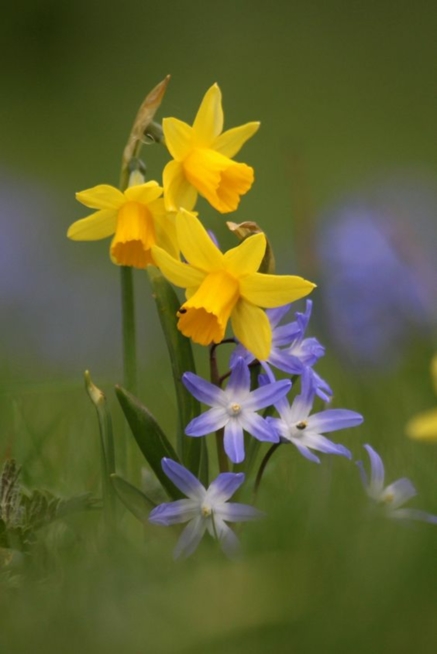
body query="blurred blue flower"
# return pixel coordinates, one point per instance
(390, 498)
(296, 426)
(204, 509)
(234, 408)
(378, 271)
(46, 294)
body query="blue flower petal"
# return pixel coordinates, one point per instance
(258, 427)
(377, 472)
(305, 451)
(398, 493)
(190, 537)
(207, 422)
(236, 512)
(203, 390)
(172, 513)
(240, 352)
(275, 315)
(234, 441)
(323, 390)
(414, 514)
(302, 404)
(322, 444)
(333, 419)
(267, 395)
(223, 487)
(286, 362)
(226, 537)
(285, 334)
(183, 479)
(239, 379)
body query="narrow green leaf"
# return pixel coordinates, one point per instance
(98, 398)
(150, 438)
(204, 464)
(134, 500)
(182, 360)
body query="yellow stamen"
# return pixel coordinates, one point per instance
(134, 236)
(235, 409)
(205, 315)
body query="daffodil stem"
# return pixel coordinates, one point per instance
(263, 465)
(221, 454)
(219, 435)
(129, 331)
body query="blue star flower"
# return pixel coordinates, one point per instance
(204, 509)
(234, 408)
(390, 498)
(296, 426)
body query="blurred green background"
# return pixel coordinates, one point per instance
(346, 95)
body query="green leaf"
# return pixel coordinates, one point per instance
(134, 500)
(150, 438)
(182, 360)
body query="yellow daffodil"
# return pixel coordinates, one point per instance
(423, 427)
(203, 159)
(136, 217)
(226, 286)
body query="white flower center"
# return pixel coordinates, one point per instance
(234, 409)
(206, 510)
(387, 498)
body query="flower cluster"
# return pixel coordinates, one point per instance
(270, 386)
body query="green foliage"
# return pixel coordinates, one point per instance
(23, 513)
(150, 438)
(134, 500)
(192, 451)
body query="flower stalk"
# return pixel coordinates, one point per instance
(220, 433)
(143, 121)
(98, 398)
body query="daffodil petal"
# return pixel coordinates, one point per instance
(102, 196)
(196, 244)
(178, 192)
(178, 137)
(208, 123)
(271, 291)
(231, 141)
(423, 426)
(99, 225)
(165, 228)
(252, 328)
(178, 273)
(246, 258)
(144, 193)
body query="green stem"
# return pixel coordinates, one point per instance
(129, 331)
(97, 397)
(263, 465)
(221, 454)
(219, 435)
